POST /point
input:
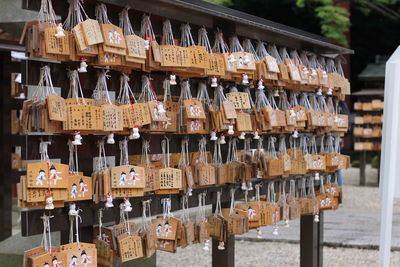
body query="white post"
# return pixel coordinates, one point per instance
(390, 154)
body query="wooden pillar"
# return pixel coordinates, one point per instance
(363, 164)
(311, 241)
(226, 257)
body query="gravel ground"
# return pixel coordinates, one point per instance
(272, 254)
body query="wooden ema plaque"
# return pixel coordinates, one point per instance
(239, 99)
(47, 259)
(141, 114)
(91, 32)
(198, 56)
(271, 63)
(169, 178)
(315, 162)
(83, 255)
(79, 188)
(204, 174)
(130, 247)
(83, 117)
(154, 113)
(128, 176)
(253, 213)
(229, 110)
(54, 45)
(194, 109)
(113, 36)
(135, 46)
(241, 63)
(57, 108)
(216, 65)
(47, 174)
(174, 56)
(112, 118)
(166, 228)
(229, 65)
(105, 254)
(243, 122)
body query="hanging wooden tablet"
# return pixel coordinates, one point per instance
(105, 254)
(216, 65)
(91, 32)
(229, 110)
(54, 45)
(239, 99)
(84, 117)
(83, 253)
(193, 109)
(79, 188)
(130, 247)
(112, 118)
(244, 122)
(272, 65)
(128, 176)
(48, 259)
(47, 174)
(169, 178)
(166, 228)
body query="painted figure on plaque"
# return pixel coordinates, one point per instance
(41, 177)
(82, 188)
(74, 190)
(122, 179)
(85, 259)
(54, 175)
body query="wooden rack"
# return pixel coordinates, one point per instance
(197, 13)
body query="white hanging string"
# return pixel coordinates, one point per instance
(147, 94)
(46, 238)
(75, 218)
(167, 34)
(261, 99)
(273, 51)
(102, 160)
(203, 150)
(186, 36)
(166, 202)
(73, 158)
(220, 45)
(101, 14)
(271, 147)
(145, 152)
(249, 48)
(125, 92)
(75, 87)
(101, 90)
(46, 13)
(165, 152)
(43, 150)
(184, 157)
(296, 58)
(146, 214)
(261, 51)
(125, 22)
(285, 55)
(124, 218)
(202, 94)
(202, 39)
(100, 213)
(185, 208)
(76, 15)
(232, 201)
(123, 147)
(45, 86)
(218, 209)
(234, 44)
(217, 156)
(282, 144)
(146, 29)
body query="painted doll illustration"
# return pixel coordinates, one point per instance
(54, 175)
(73, 191)
(82, 188)
(41, 177)
(192, 111)
(110, 37)
(85, 259)
(167, 228)
(122, 179)
(46, 264)
(159, 230)
(197, 110)
(133, 176)
(74, 261)
(56, 263)
(117, 37)
(156, 113)
(251, 213)
(105, 237)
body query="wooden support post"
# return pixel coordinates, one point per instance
(311, 241)
(363, 164)
(224, 257)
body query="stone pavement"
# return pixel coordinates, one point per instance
(355, 224)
